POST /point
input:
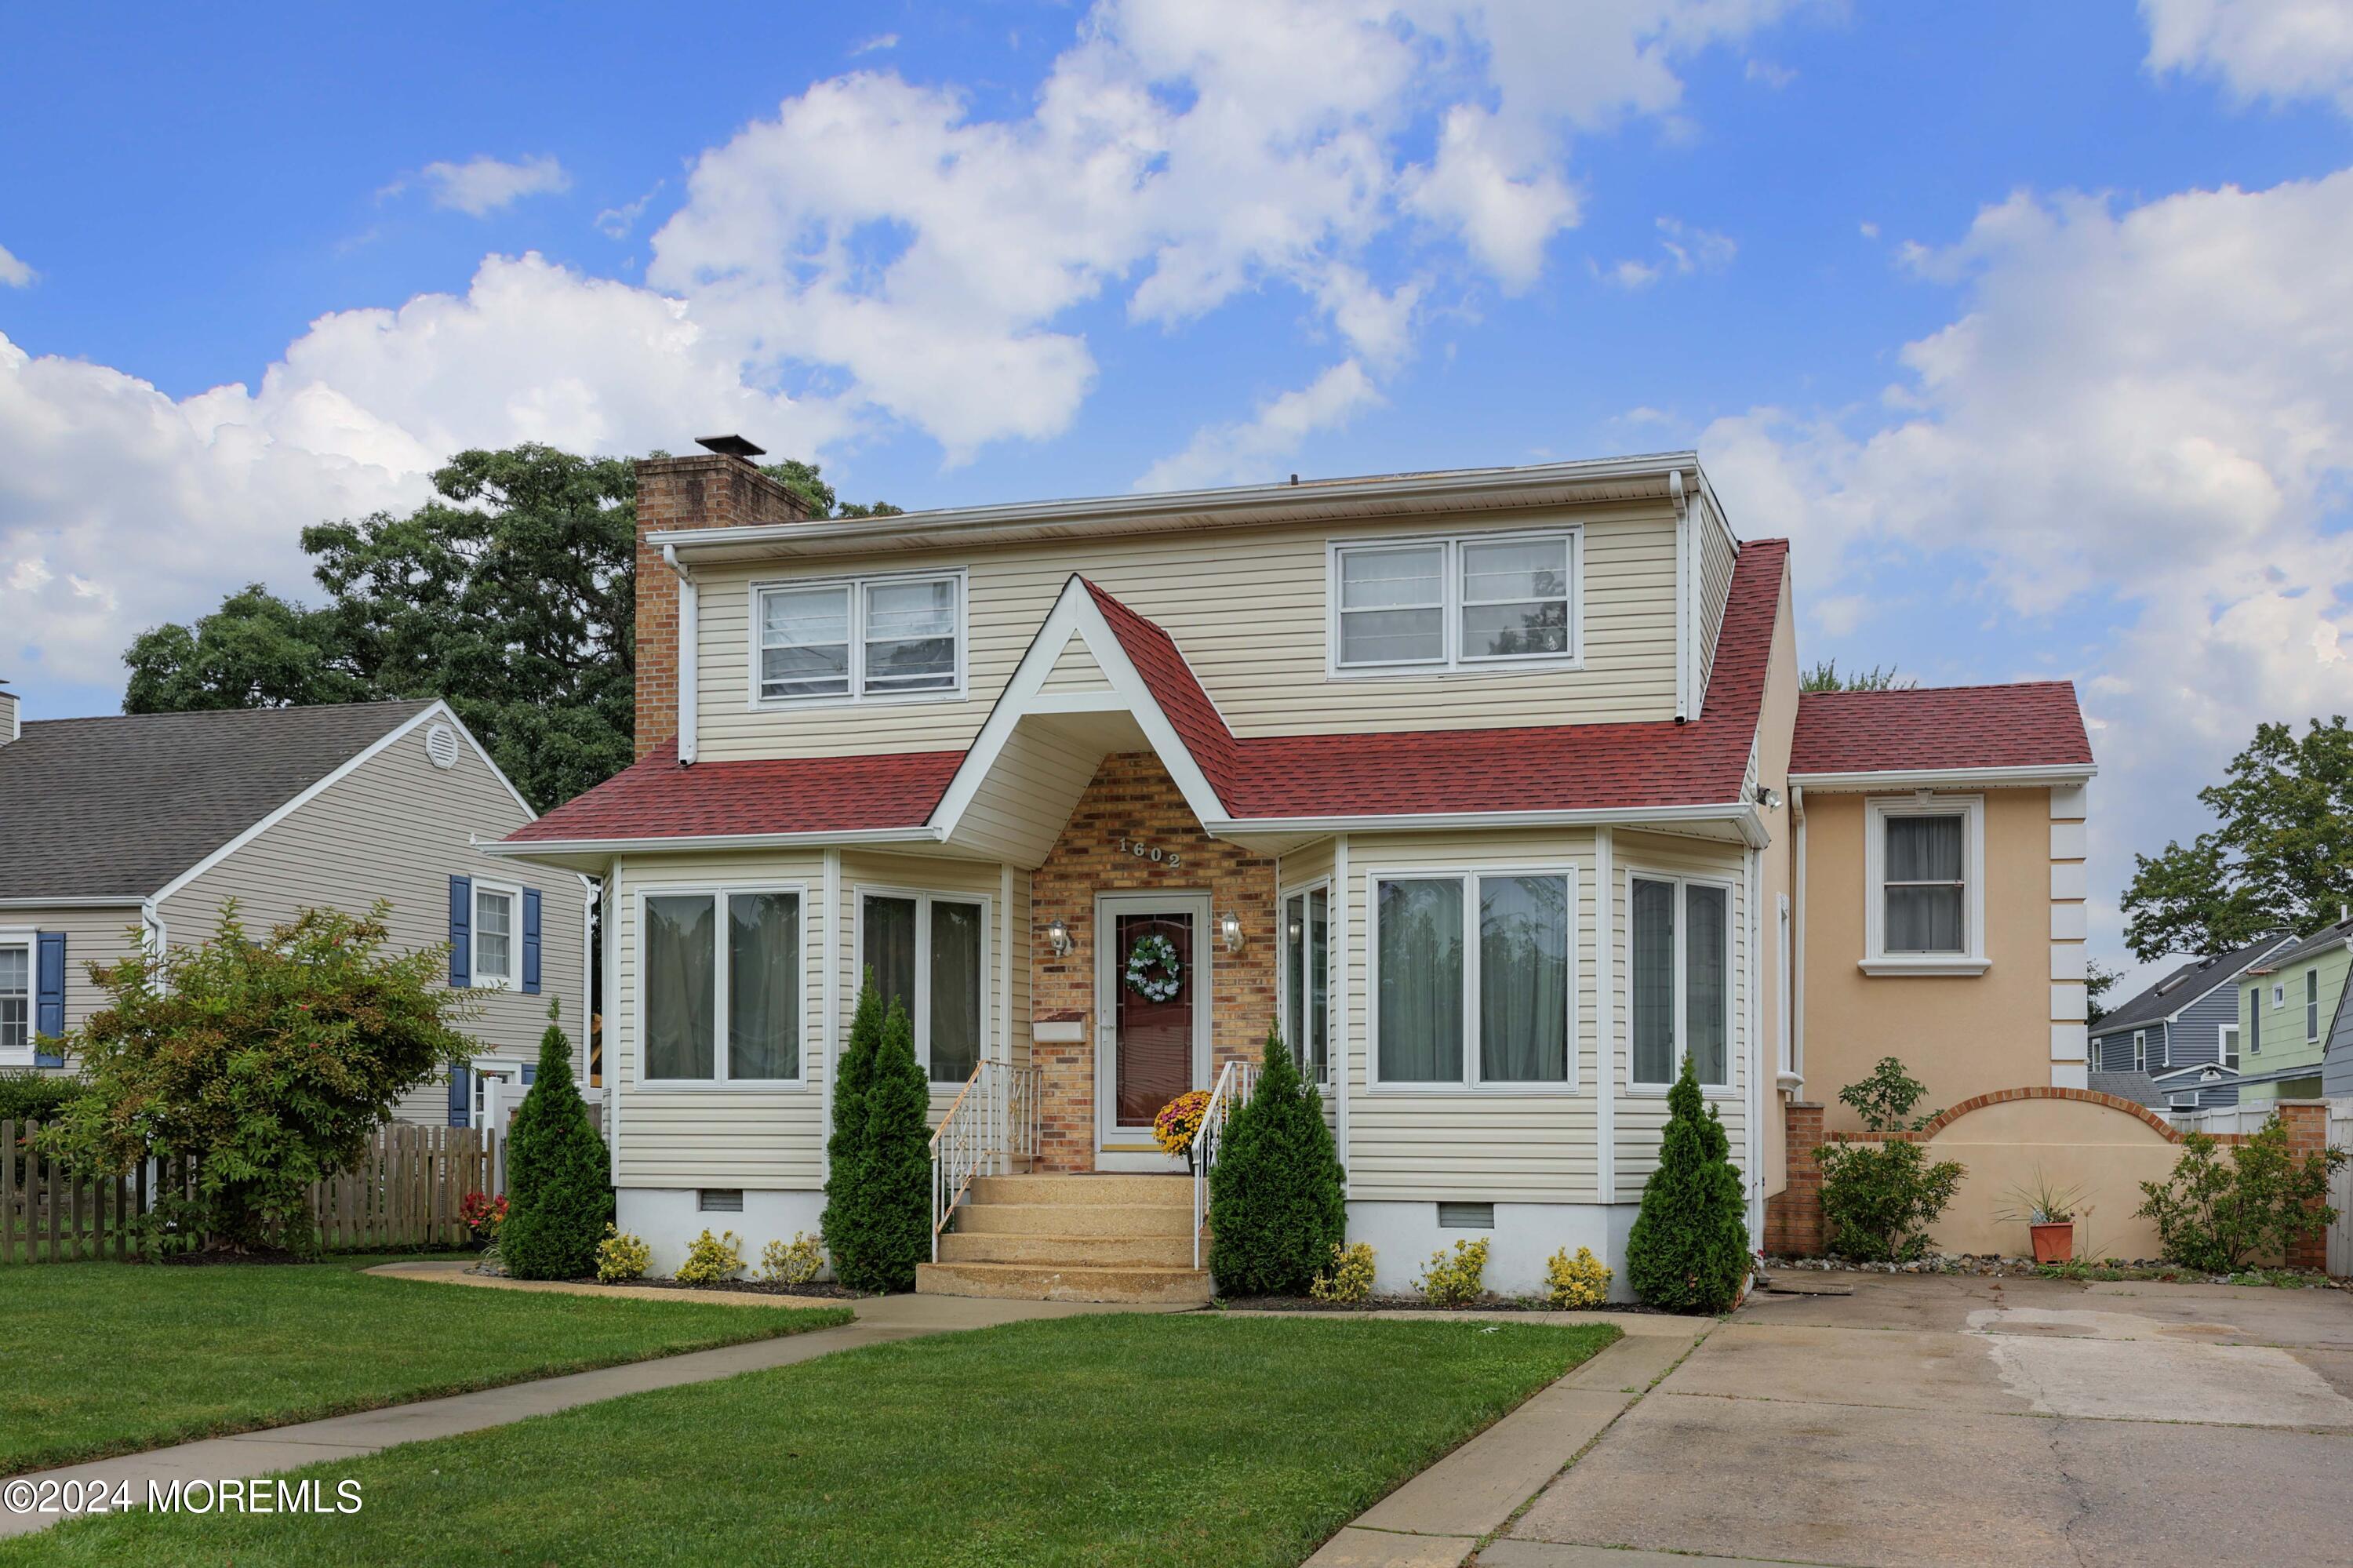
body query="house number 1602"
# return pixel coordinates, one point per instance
(1142, 851)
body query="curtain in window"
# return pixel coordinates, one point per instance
(1306, 979)
(1319, 982)
(1707, 993)
(956, 992)
(889, 957)
(1524, 980)
(1514, 598)
(681, 995)
(1392, 606)
(764, 983)
(1925, 918)
(1294, 976)
(1421, 981)
(1652, 939)
(911, 636)
(805, 643)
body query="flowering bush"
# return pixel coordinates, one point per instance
(1350, 1277)
(710, 1259)
(621, 1255)
(796, 1262)
(1179, 1120)
(483, 1214)
(1456, 1281)
(1579, 1281)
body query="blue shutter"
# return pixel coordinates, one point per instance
(461, 930)
(531, 941)
(49, 1010)
(461, 1096)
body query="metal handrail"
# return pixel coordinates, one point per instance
(1236, 1082)
(982, 1135)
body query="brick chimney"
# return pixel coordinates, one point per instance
(717, 489)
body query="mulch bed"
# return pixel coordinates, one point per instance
(821, 1290)
(1416, 1304)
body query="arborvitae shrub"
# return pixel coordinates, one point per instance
(559, 1177)
(1277, 1205)
(878, 1215)
(843, 1223)
(1689, 1249)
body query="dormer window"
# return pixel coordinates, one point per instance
(877, 638)
(1460, 604)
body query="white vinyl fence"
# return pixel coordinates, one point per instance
(2340, 1235)
(2223, 1120)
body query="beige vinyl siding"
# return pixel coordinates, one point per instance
(1717, 557)
(1639, 1115)
(92, 935)
(398, 827)
(1474, 1145)
(1248, 608)
(1076, 670)
(862, 872)
(733, 1135)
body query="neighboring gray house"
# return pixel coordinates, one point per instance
(2336, 1065)
(2182, 1033)
(142, 826)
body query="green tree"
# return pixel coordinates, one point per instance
(2280, 860)
(801, 479)
(1688, 1251)
(1825, 676)
(513, 593)
(2098, 980)
(2217, 1216)
(1276, 1203)
(1880, 1197)
(896, 1160)
(270, 1063)
(559, 1177)
(844, 1221)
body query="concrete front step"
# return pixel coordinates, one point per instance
(1172, 1191)
(1034, 1282)
(1086, 1252)
(1074, 1218)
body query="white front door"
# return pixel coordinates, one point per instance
(1149, 1048)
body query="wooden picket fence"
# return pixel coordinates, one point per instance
(405, 1189)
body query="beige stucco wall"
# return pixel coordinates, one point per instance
(2107, 1152)
(1960, 1034)
(1776, 724)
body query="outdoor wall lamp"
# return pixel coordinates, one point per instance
(1229, 926)
(1058, 936)
(1769, 798)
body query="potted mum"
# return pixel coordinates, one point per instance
(1179, 1120)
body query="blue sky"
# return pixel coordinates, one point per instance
(2029, 323)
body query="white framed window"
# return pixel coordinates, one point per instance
(1306, 979)
(929, 952)
(15, 999)
(1924, 885)
(1679, 980)
(720, 977)
(2228, 1045)
(2311, 1005)
(497, 934)
(1477, 601)
(2279, 996)
(2140, 1051)
(896, 637)
(1474, 979)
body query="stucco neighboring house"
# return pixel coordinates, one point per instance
(1478, 784)
(135, 828)
(2290, 1004)
(2183, 1033)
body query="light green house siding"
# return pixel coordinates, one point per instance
(2290, 1033)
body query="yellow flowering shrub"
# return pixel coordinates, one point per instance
(1579, 1281)
(710, 1259)
(621, 1255)
(796, 1262)
(1350, 1277)
(1455, 1281)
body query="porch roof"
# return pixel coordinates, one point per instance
(1268, 780)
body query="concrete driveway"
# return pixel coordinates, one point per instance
(1936, 1421)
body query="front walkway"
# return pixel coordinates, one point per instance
(880, 1320)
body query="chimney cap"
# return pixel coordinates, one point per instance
(730, 446)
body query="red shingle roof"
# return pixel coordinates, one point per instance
(2032, 724)
(657, 799)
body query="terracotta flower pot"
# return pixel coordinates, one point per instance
(2054, 1243)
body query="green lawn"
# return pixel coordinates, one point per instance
(106, 1357)
(1125, 1440)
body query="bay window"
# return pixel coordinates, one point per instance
(1474, 986)
(1437, 605)
(1923, 871)
(928, 953)
(721, 973)
(859, 639)
(1679, 937)
(1307, 980)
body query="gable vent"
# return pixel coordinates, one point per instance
(441, 745)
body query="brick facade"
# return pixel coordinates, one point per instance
(1132, 796)
(1793, 1216)
(2306, 1122)
(702, 491)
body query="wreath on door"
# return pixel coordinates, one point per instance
(1153, 972)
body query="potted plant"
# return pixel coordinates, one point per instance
(1179, 1120)
(2048, 1211)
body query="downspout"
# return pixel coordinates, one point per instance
(1686, 572)
(1753, 1123)
(1798, 947)
(689, 642)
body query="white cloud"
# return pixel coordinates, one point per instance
(1507, 217)
(480, 186)
(1685, 250)
(1773, 76)
(1243, 453)
(15, 273)
(876, 44)
(2274, 50)
(616, 222)
(2143, 411)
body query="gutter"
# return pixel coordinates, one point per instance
(1942, 778)
(688, 646)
